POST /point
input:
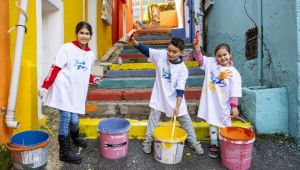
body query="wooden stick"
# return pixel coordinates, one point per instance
(173, 129)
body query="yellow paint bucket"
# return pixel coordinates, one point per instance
(167, 150)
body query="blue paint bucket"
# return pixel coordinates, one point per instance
(114, 137)
(29, 149)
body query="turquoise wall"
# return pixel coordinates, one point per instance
(227, 22)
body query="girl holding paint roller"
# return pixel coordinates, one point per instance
(66, 86)
(220, 92)
(168, 90)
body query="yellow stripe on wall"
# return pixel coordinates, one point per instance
(73, 14)
(26, 107)
(104, 39)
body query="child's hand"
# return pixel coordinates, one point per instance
(130, 35)
(97, 80)
(42, 93)
(175, 113)
(234, 112)
(196, 42)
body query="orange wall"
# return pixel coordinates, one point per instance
(117, 26)
(5, 68)
(129, 16)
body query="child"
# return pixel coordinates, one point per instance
(220, 92)
(66, 86)
(168, 90)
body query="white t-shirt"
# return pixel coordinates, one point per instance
(217, 89)
(70, 87)
(169, 78)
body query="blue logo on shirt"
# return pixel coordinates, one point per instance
(80, 65)
(166, 74)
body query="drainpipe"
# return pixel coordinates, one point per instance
(10, 115)
(260, 52)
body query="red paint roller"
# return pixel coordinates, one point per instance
(197, 37)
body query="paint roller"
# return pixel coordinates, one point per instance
(197, 38)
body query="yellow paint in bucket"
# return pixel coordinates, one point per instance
(168, 150)
(163, 133)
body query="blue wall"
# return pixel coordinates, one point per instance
(227, 22)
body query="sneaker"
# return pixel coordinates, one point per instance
(147, 147)
(213, 151)
(198, 148)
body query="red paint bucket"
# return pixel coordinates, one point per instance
(236, 147)
(114, 137)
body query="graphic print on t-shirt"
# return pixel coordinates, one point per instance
(80, 65)
(218, 80)
(166, 74)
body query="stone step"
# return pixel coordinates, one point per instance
(145, 73)
(143, 82)
(134, 94)
(144, 66)
(89, 126)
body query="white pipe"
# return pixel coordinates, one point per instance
(13, 90)
(92, 19)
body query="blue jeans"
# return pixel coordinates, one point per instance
(68, 119)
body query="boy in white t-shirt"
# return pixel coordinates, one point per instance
(168, 90)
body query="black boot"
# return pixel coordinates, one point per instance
(78, 140)
(65, 153)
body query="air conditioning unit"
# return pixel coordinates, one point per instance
(208, 3)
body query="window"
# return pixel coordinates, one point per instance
(251, 43)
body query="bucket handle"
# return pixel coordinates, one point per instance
(26, 148)
(251, 128)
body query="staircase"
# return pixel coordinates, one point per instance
(126, 89)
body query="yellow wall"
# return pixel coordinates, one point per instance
(5, 69)
(104, 39)
(26, 107)
(72, 15)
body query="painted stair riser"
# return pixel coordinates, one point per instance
(103, 109)
(134, 94)
(88, 127)
(145, 66)
(161, 46)
(119, 83)
(145, 73)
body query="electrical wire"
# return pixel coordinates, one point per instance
(269, 59)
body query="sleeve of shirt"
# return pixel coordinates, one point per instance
(62, 57)
(204, 62)
(49, 80)
(234, 101)
(155, 55)
(235, 85)
(179, 93)
(181, 79)
(143, 49)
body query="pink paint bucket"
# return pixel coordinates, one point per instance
(236, 147)
(114, 137)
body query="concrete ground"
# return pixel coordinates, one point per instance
(270, 152)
